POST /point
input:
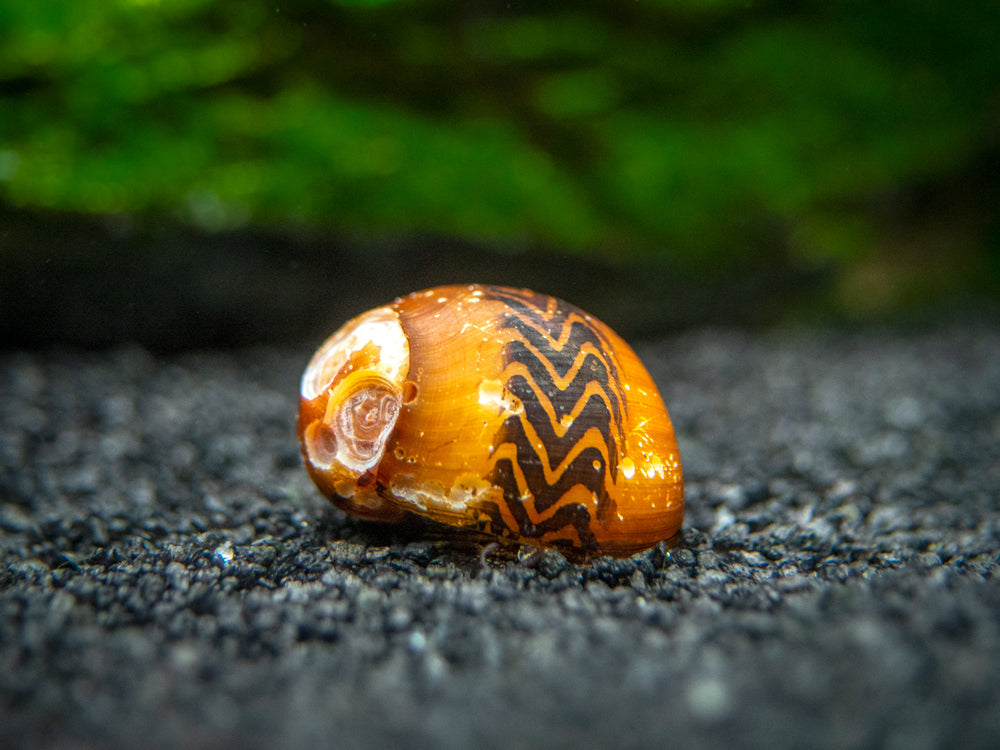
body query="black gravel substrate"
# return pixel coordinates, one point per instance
(171, 578)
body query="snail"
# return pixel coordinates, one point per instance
(501, 410)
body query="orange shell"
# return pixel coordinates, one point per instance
(498, 409)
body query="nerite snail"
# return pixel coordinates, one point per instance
(502, 410)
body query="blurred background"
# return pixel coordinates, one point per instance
(188, 173)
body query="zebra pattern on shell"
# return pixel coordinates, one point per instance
(568, 434)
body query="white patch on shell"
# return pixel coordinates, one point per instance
(627, 467)
(364, 422)
(654, 468)
(493, 395)
(364, 393)
(380, 327)
(415, 493)
(360, 416)
(433, 497)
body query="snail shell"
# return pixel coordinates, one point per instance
(502, 410)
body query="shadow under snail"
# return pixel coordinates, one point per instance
(501, 410)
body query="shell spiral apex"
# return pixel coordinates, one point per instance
(501, 410)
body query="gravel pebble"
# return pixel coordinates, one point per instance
(170, 575)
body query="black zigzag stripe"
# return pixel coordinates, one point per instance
(533, 307)
(588, 468)
(530, 316)
(573, 514)
(580, 334)
(564, 400)
(593, 415)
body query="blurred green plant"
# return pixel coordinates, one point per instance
(699, 129)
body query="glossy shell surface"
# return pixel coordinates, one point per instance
(502, 410)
